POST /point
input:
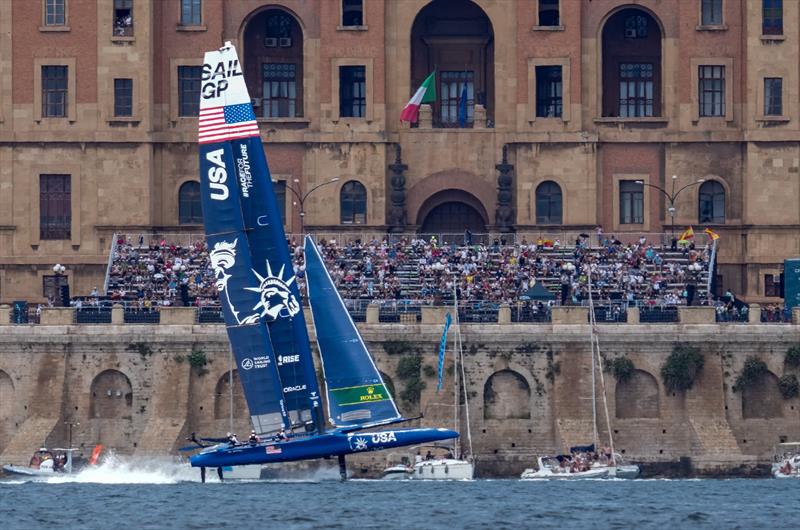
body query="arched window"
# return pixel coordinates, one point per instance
(189, 211)
(548, 204)
(712, 202)
(506, 395)
(353, 203)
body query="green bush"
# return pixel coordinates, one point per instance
(681, 368)
(197, 359)
(429, 370)
(792, 358)
(620, 367)
(408, 369)
(753, 372)
(789, 386)
(397, 347)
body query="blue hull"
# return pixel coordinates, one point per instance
(318, 446)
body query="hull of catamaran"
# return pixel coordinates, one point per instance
(318, 446)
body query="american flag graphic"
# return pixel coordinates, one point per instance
(218, 124)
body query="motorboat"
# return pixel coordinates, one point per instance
(398, 472)
(619, 469)
(443, 469)
(44, 463)
(560, 468)
(786, 463)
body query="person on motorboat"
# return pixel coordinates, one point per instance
(253, 440)
(429, 455)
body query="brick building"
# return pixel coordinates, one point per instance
(576, 111)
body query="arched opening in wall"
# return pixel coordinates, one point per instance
(452, 212)
(387, 381)
(762, 399)
(631, 65)
(222, 397)
(353, 203)
(111, 395)
(273, 63)
(549, 204)
(454, 38)
(189, 210)
(6, 396)
(637, 397)
(711, 207)
(506, 395)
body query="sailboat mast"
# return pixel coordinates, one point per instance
(230, 387)
(596, 346)
(464, 386)
(456, 349)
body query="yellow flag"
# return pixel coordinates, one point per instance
(713, 235)
(688, 234)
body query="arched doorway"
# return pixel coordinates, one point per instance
(762, 399)
(6, 396)
(454, 38)
(506, 395)
(111, 395)
(273, 63)
(631, 64)
(452, 212)
(222, 397)
(637, 397)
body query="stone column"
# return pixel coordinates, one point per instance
(504, 214)
(479, 117)
(373, 313)
(633, 315)
(754, 314)
(5, 315)
(504, 314)
(425, 117)
(397, 212)
(117, 314)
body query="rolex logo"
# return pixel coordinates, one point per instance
(370, 390)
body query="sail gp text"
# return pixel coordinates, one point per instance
(215, 81)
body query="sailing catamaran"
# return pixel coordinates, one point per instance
(261, 304)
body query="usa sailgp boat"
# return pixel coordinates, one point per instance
(261, 304)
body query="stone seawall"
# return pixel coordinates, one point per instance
(141, 389)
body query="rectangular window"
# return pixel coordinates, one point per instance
(352, 91)
(456, 98)
(548, 13)
(772, 285)
(772, 17)
(189, 90)
(635, 90)
(52, 285)
(55, 207)
(711, 13)
(773, 97)
(123, 18)
(280, 90)
(631, 202)
(123, 97)
(352, 12)
(191, 12)
(279, 186)
(55, 12)
(54, 91)
(548, 92)
(712, 91)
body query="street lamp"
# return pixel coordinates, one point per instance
(671, 196)
(59, 269)
(301, 197)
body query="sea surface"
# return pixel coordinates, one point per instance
(131, 495)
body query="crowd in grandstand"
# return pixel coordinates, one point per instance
(162, 272)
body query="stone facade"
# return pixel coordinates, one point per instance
(135, 388)
(126, 172)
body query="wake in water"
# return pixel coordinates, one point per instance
(114, 469)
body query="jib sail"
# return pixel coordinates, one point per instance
(357, 395)
(223, 119)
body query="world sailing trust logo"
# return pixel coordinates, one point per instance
(276, 297)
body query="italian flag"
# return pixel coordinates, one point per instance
(426, 93)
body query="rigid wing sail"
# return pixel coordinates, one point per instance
(262, 305)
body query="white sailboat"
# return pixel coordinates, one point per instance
(458, 465)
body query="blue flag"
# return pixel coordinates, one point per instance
(462, 107)
(442, 346)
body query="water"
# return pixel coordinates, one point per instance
(165, 494)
